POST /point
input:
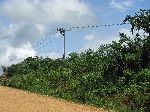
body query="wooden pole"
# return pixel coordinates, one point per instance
(62, 32)
(64, 46)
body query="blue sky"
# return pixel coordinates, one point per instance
(25, 22)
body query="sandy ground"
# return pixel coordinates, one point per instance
(14, 100)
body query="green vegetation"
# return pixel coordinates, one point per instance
(116, 76)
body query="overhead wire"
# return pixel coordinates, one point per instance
(96, 26)
(48, 36)
(39, 43)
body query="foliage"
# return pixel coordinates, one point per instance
(115, 76)
(140, 20)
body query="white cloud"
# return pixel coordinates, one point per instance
(98, 40)
(121, 5)
(48, 11)
(16, 42)
(89, 37)
(13, 55)
(19, 34)
(124, 5)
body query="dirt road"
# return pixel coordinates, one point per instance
(14, 100)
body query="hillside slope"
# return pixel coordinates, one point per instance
(14, 100)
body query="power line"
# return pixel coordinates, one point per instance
(17, 59)
(39, 43)
(96, 26)
(62, 31)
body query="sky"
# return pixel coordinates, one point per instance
(26, 23)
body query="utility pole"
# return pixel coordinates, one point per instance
(62, 32)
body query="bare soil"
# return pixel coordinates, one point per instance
(15, 100)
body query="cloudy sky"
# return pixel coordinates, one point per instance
(24, 23)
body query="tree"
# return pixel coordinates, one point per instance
(4, 68)
(140, 20)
